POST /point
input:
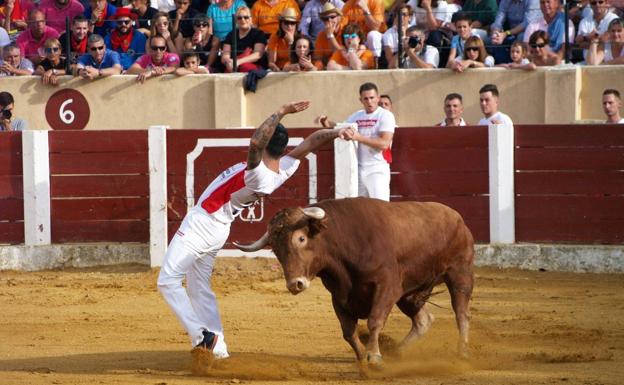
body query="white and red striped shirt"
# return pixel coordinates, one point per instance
(237, 188)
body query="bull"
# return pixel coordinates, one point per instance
(372, 254)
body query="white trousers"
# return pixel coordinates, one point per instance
(191, 254)
(375, 182)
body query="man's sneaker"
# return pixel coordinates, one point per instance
(209, 341)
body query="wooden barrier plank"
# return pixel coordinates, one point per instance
(439, 183)
(63, 186)
(99, 231)
(133, 141)
(10, 163)
(575, 135)
(564, 230)
(571, 182)
(11, 209)
(425, 138)
(569, 159)
(11, 233)
(98, 163)
(11, 186)
(10, 142)
(477, 207)
(440, 160)
(574, 208)
(100, 209)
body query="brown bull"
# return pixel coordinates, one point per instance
(372, 254)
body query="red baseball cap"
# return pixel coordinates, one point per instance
(125, 12)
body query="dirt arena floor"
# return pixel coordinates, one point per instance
(110, 326)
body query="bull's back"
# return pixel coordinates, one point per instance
(414, 234)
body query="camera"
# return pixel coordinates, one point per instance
(413, 41)
(6, 114)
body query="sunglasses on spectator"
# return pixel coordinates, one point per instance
(538, 45)
(350, 36)
(158, 47)
(471, 49)
(201, 24)
(125, 21)
(243, 17)
(52, 49)
(99, 48)
(597, 2)
(405, 14)
(330, 17)
(290, 22)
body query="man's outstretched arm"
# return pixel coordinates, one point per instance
(318, 139)
(261, 137)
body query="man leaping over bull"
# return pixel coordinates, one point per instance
(206, 226)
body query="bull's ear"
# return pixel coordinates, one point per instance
(315, 226)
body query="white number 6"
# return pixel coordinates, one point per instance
(67, 116)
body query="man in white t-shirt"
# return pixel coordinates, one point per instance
(488, 101)
(453, 110)
(611, 104)
(596, 25)
(206, 227)
(375, 131)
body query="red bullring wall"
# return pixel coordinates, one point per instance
(569, 181)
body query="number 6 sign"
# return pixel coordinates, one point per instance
(67, 109)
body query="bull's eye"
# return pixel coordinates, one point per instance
(301, 239)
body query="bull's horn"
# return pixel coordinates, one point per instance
(257, 245)
(314, 212)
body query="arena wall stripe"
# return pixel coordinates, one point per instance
(11, 209)
(100, 231)
(98, 163)
(569, 159)
(577, 135)
(11, 232)
(132, 141)
(11, 186)
(426, 138)
(609, 182)
(67, 186)
(448, 159)
(100, 209)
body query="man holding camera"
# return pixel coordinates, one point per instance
(7, 121)
(417, 53)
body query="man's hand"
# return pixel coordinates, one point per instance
(49, 78)
(294, 107)
(323, 120)
(346, 133)
(426, 5)
(143, 76)
(8, 68)
(330, 26)
(497, 37)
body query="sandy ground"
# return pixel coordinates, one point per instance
(110, 326)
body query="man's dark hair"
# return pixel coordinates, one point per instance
(368, 86)
(611, 91)
(278, 142)
(489, 88)
(5, 99)
(458, 16)
(189, 54)
(452, 96)
(80, 19)
(386, 96)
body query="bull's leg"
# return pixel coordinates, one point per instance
(421, 320)
(385, 297)
(460, 285)
(348, 323)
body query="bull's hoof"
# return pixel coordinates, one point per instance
(375, 361)
(363, 369)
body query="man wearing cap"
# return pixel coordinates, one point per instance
(327, 40)
(125, 39)
(311, 23)
(56, 11)
(265, 14)
(369, 15)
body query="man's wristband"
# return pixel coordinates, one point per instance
(367, 13)
(507, 32)
(330, 36)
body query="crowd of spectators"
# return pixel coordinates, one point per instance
(303, 35)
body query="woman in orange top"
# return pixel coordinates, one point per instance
(280, 42)
(354, 56)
